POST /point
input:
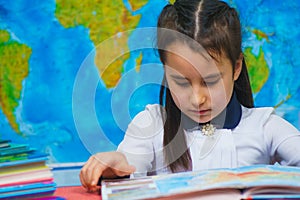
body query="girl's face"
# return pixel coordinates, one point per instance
(201, 87)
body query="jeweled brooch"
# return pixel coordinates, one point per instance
(208, 129)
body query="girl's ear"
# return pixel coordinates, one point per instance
(238, 67)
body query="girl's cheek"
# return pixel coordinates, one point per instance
(219, 100)
(180, 99)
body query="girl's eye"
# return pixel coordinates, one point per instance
(211, 83)
(182, 84)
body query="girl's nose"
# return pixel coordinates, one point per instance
(199, 96)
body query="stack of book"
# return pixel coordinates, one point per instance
(24, 172)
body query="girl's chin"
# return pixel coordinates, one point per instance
(202, 120)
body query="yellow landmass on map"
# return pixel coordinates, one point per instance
(289, 95)
(257, 67)
(4, 36)
(137, 4)
(261, 35)
(138, 62)
(13, 70)
(107, 21)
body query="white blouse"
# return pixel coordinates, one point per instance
(261, 137)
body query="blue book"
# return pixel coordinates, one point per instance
(26, 187)
(30, 158)
(30, 192)
(4, 143)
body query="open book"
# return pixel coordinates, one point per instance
(252, 182)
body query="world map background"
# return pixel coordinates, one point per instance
(72, 73)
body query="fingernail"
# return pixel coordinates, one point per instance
(93, 183)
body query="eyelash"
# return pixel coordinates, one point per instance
(205, 83)
(211, 83)
(183, 84)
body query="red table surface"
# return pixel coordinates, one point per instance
(76, 192)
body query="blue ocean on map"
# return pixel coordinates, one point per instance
(66, 109)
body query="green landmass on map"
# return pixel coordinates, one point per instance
(257, 65)
(109, 23)
(14, 69)
(257, 68)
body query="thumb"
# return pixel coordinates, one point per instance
(125, 170)
(131, 169)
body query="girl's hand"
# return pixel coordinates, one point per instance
(108, 165)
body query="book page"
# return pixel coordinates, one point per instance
(174, 186)
(236, 183)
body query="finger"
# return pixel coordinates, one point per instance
(94, 189)
(83, 174)
(88, 188)
(118, 164)
(81, 177)
(95, 172)
(131, 169)
(86, 173)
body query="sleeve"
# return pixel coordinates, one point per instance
(284, 141)
(137, 144)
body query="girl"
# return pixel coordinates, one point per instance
(206, 117)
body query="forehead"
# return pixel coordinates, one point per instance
(181, 59)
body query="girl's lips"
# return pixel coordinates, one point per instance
(201, 112)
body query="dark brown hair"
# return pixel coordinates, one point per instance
(216, 27)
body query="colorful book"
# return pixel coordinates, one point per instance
(252, 182)
(47, 179)
(4, 143)
(24, 173)
(26, 187)
(13, 149)
(10, 170)
(25, 176)
(33, 192)
(19, 159)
